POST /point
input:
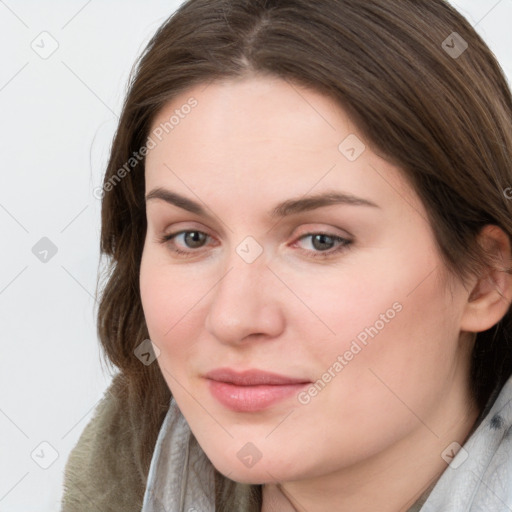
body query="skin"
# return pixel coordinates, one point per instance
(376, 432)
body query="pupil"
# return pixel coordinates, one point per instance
(197, 238)
(322, 241)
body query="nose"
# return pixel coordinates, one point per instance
(246, 304)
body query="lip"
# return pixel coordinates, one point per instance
(251, 390)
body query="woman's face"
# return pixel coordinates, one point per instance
(346, 298)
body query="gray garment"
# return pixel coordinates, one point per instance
(180, 477)
(478, 478)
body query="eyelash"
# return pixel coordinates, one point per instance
(344, 244)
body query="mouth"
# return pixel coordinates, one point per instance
(251, 390)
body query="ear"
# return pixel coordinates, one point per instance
(491, 294)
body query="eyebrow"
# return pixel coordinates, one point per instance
(284, 209)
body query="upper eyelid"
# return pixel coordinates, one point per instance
(331, 230)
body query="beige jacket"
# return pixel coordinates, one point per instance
(101, 474)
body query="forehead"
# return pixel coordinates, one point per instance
(251, 110)
(268, 135)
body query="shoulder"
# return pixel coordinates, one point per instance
(101, 472)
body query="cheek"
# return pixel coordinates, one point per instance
(380, 388)
(172, 308)
(160, 305)
(402, 366)
(395, 329)
(165, 295)
(153, 296)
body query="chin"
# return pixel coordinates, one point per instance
(250, 476)
(260, 473)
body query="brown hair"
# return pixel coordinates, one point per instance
(444, 119)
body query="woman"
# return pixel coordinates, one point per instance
(307, 214)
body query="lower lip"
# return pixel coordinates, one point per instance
(252, 398)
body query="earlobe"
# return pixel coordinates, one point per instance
(490, 297)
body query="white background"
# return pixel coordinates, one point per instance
(58, 116)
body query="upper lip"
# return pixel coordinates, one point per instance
(252, 377)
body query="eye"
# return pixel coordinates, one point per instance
(193, 239)
(326, 244)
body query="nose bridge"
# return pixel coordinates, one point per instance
(245, 300)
